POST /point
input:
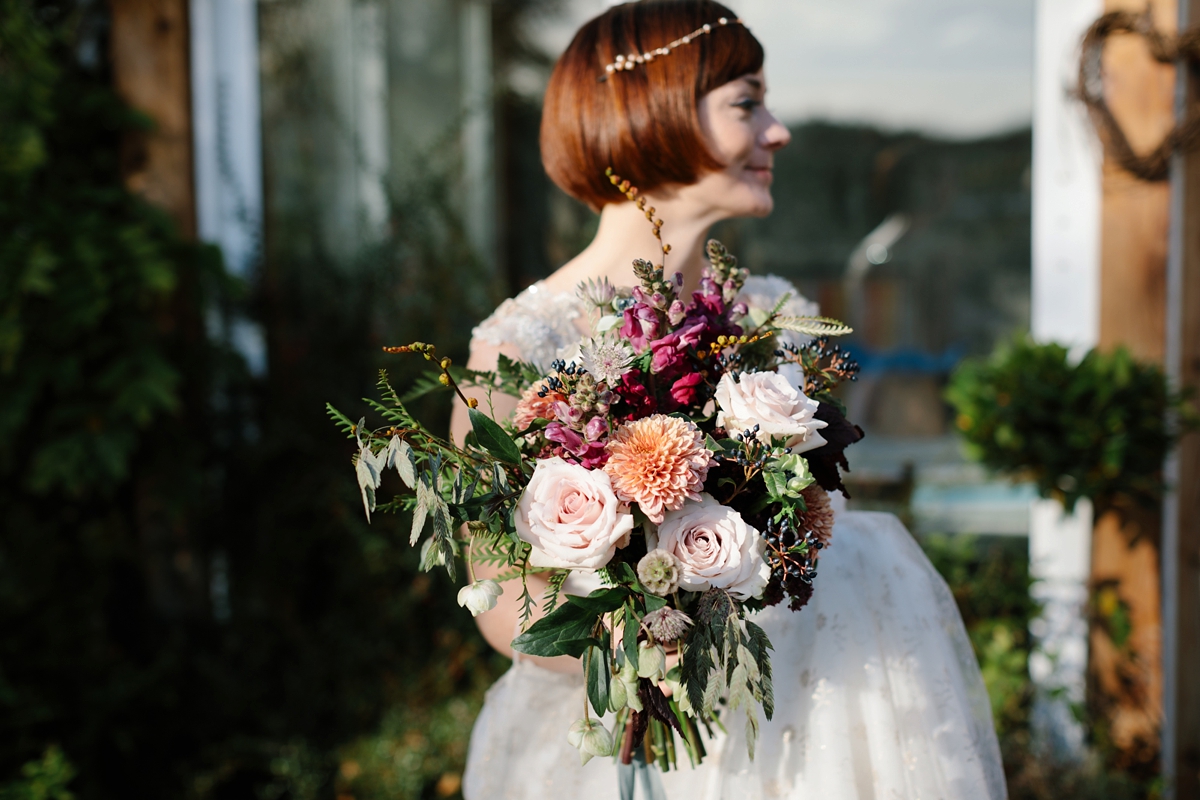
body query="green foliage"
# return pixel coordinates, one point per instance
(46, 778)
(191, 602)
(1099, 428)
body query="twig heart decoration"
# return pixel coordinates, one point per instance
(1155, 165)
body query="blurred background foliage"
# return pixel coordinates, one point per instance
(1096, 427)
(192, 604)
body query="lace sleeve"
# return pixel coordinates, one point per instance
(540, 324)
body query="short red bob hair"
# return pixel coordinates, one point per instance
(641, 122)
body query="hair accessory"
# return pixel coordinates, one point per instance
(630, 61)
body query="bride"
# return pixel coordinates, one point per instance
(877, 692)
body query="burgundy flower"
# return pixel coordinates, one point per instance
(636, 396)
(684, 390)
(595, 455)
(671, 350)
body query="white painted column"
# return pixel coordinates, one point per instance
(226, 125)
(1065, 309)
(478, 136)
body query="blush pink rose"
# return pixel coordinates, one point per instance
(770, 401)
(571, 516)
(715, 548)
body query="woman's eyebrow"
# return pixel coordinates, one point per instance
(755, 83)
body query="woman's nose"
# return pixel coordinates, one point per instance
(776, 134)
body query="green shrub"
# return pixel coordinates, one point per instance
(1098, 428)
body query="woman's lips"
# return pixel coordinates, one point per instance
(763, 174)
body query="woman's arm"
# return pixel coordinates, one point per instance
(502, 623)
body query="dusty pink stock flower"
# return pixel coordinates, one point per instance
(658, 462)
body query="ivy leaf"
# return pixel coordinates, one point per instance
(601, 601)
(629, 637)
(492, 438)
(598, 675)
(565, 631)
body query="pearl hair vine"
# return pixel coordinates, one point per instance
(630, 61)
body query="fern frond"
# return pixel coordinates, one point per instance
(341, 420)
(812, 326)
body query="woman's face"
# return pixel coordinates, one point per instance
(743, 135)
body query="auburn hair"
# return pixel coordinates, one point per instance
(641, 122)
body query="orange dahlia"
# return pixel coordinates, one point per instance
(658, 462)
(531, 407)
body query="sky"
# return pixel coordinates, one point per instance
(958, 68)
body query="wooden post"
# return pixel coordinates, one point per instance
(1125, 674)
(1182, 557)
(150, 61)
(149, 51)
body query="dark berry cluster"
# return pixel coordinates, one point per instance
(754, 454)
(792, 556)
(825, 365)
(554, 383)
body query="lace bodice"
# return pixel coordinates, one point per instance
(542, 324)
(538, 322)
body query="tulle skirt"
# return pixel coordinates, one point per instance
(877, 696)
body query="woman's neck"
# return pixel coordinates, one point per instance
(625, 234)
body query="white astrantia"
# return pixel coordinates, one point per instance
(479, 596)
(769, 401)
(590, 738)
(607, 358)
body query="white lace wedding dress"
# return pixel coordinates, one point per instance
(877, 692)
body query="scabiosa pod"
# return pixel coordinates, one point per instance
(659, 572)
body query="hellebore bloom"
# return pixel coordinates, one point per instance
(652, 661)
(479, 596)
(590, 738)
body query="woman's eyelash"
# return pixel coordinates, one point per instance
(747, 104)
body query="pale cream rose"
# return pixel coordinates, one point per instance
(770, 401)
(571, 516)
(715, 547)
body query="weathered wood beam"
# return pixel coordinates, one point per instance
(149, 54)
(1126, 676)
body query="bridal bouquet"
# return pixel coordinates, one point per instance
(678, 462)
